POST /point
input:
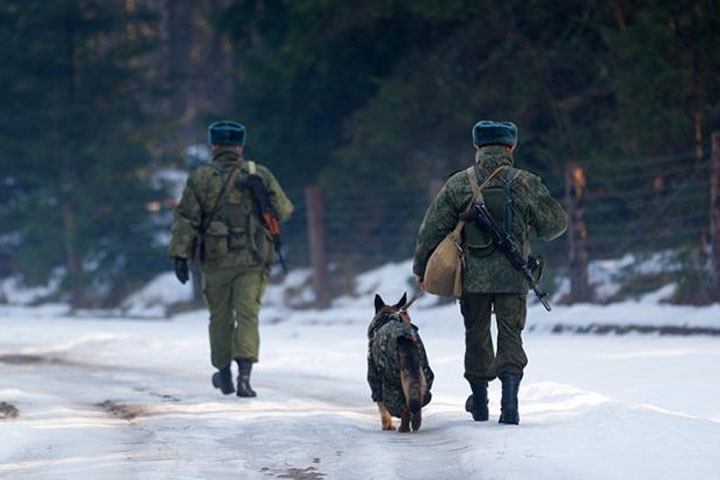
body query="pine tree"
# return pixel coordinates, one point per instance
(73, 141)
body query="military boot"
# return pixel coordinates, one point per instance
(509, 403)
(243, 381)
(222, 379)
(477, 403)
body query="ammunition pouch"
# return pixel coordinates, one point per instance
(238, 238)
(477, 242)
(216, 241)
(235, 215)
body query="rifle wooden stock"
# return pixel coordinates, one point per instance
(266, 212)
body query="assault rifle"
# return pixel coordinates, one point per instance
(506, 243)
(266, 212)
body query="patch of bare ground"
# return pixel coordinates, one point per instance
(309, 473)
(125, 412)
(8, 411)
(30, 359)
(609, 329)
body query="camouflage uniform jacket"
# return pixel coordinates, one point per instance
(383, 362)
(533, 209)
(236, 235)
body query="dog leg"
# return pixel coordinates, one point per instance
(416, 420)
(385, 417)
(404, 421)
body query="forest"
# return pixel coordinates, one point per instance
(371, 101)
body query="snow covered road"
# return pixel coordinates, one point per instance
(116, 399)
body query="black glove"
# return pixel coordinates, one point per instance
(181, 270)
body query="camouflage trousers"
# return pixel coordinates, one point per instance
(481, 361)
(233, 297)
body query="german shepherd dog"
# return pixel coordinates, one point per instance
(398, 372)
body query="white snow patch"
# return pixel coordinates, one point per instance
(15, 292)
(153, 300)
(170, 179)
(626, 313)
(11, 239)
(296, 290)
(391, 279)
(660, 295)
(606, 277)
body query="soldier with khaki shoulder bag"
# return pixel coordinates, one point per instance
(455, 257)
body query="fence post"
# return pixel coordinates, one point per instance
(715, 209)
(577, 232)
(316, 233)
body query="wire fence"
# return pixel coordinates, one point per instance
(363, 227)
(643, 207)
(636, 207)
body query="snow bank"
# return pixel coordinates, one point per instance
(14, 292)
(154, 299)
(607, 276)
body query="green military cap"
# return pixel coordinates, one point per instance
(487, 132)
(226, 132)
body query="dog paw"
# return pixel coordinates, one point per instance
(416, 423)
(389, 427)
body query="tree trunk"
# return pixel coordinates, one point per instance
(318, 254)
(619, 11)
(180, 37)
(577, 233)
(715, 212)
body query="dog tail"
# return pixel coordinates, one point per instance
(413, 379)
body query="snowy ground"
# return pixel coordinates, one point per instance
(108, 395)
(123, 399)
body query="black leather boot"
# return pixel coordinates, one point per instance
(509, 403)
(222, 379)
(243, 381)
(477, 403)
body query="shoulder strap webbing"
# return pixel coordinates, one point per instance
(472, 177)
(511, 175)
(477, 193)
(477, 189)
(218, 199)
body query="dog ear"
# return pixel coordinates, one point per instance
(402, 301)
(379, 303)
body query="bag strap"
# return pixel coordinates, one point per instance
(472, 177)
(218, 199)
(477, 189)
(477, 193)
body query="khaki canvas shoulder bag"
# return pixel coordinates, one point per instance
(443, 273)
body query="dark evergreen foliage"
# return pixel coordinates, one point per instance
(347, 95)
(72, 143)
